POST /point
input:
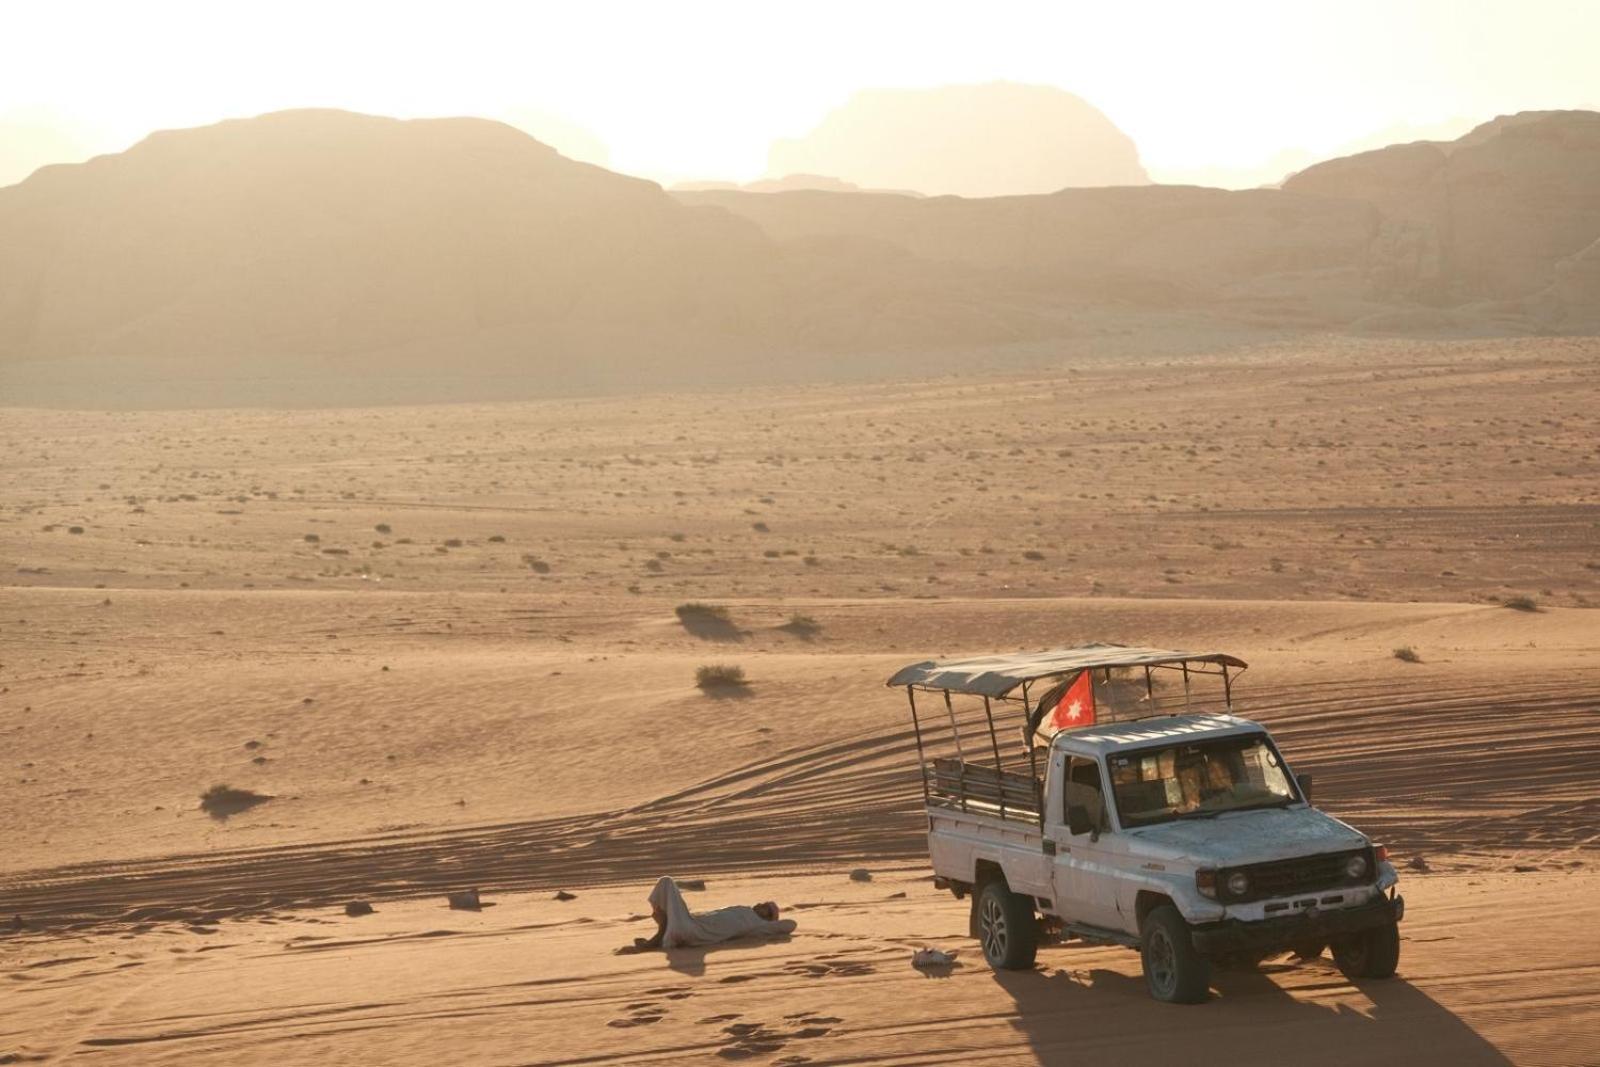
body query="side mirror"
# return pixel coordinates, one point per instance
(1078, 821)
(1304, 782)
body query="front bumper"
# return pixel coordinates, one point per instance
(1290, 931)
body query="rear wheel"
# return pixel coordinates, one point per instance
(1173, 970)
(1006, 927)
(1371, 953)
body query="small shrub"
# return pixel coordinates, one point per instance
(802, 625)
(452, 542)
(694, 611)
(1033, 555)
(1407, 654)
(720, 676)
(1521, 603)
(497, 539)
(221, 801)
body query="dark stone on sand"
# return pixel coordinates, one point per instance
(357, 907)
(861, 874)
(465, 900)
(564, 895)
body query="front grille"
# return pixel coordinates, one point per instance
(1303, 874)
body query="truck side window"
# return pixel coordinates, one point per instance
(1084, 790)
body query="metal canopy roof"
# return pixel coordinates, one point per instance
(994, 676)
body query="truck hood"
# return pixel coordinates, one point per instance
(1239, 837)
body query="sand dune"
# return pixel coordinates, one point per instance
(443, 642)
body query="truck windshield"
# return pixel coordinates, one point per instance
(1198, 780)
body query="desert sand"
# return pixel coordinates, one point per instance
(443, 641)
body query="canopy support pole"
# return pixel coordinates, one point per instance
(994, 742)
(1227, 688)
(961, 758)
(922, 760)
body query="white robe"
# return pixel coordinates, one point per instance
(709, 927)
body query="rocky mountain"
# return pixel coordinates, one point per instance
(965, 140)
(1489, 216)
(320, 257)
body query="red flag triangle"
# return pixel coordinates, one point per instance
(1076, 706)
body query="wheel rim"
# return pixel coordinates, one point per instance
(993, 928)
(1159, 961)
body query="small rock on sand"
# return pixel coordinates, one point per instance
(861, 874)
(564, 895)
(1420, 864)
(357, 907)
(465, 900)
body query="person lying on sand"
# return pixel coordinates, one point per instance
(677, 926)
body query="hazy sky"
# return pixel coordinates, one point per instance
(700, 89)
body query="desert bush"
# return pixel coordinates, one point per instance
(802, 625)
(1521, 603)
(1033, 554)
(221, 801)
(719, 676)
(383, 528)
(1407, 654)
(694, 611)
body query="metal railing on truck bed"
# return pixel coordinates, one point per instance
(983, 789)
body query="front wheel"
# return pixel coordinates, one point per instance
(1371, 953)
(1006, 927)
(1174, 971)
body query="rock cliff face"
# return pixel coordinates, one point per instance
(966, 140)
(1486, 217)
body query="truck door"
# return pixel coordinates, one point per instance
(1084, 879)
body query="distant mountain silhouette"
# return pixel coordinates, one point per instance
(327, 257)
(998, 139)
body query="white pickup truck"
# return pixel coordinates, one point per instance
(1130, 818)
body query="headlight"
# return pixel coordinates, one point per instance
(1355, 868)
(1238, 884)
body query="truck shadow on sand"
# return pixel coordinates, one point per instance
(1249, 1018)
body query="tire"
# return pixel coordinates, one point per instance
(1006, 927)
(1372, 953)
(1174, 972)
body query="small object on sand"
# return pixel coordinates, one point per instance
(1420, 864)
(357, 907)
(695, 885)
(1523, 868)
(933, 957)
(564, 895)
(861, 874)
(466, 900)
